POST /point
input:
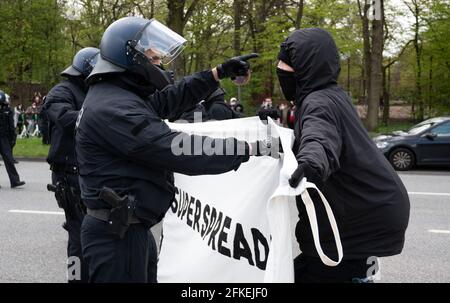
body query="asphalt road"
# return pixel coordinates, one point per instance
(32, 245)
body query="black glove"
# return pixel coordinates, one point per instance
(271, 148)
(272, 113)
(304, 170)
(236, 66)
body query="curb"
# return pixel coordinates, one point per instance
(30, 159)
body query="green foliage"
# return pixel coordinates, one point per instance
(40, 37)
(34, 46)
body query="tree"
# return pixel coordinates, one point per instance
(416, 8)
(179, 13)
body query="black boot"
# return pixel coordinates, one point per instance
(20, 183)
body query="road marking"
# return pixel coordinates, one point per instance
(429, 194)
(62, 213)
(38, 212)
(438, 231)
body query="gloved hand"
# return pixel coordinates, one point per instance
(272, 113)
(304, 170)
(234, 67)
(271, 148)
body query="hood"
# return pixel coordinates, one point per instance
(315, 58)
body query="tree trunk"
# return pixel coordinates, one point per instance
(386, 94)
(418, 50)
(175, 21)
(363, 11)
(299, 17)
(430, 86)
(348, 76)
(237, 5)
(376, 73)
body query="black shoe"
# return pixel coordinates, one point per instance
(20, 183)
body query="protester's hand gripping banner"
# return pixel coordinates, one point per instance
(238, 226)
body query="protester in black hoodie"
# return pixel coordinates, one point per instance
(334, 151)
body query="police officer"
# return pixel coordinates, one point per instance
(216, 107)
(126, 153)
(7, 138)
(62, 105)
(212, 108)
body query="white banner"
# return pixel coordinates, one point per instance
(238, 226)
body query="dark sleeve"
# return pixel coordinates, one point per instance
(320, 142)
(220, 112)
(60, 107)
(184, 95)
(149, 141)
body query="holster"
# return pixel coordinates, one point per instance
(121, 214)
(69, 199)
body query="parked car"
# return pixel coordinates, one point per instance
(427, 143)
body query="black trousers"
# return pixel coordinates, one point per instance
(74, 219)
(132, 259)
(312, 270)
(8, 159)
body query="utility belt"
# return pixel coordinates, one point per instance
(64, 168)
(122, 212)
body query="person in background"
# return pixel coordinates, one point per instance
(13, 143)
(267, 104)
(291, 115)
(19, 119)
(266, 110)
(216, 108)
(31, 117)
(239, 108)
(233, 102)
(7, 137)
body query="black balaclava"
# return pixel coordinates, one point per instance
(313, 55)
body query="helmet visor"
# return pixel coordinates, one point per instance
(164, 42)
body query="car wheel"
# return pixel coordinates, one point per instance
(402, 159)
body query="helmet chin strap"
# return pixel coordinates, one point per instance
(144, 68)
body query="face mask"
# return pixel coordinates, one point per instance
(150, 73)
(287, 83)
(170, 75)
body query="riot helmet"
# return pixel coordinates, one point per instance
(127, 45)
(83, 63)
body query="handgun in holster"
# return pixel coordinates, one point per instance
(68, 199)
(122, 211)
(60, 195)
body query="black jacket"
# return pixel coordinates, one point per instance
(196, 114)
(61, 107)
(7, 123)
(123, 143)
(216, 107)
(368, 198)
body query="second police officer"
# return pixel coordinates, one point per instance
(124, 148)
(7, 138)
(62, 105)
